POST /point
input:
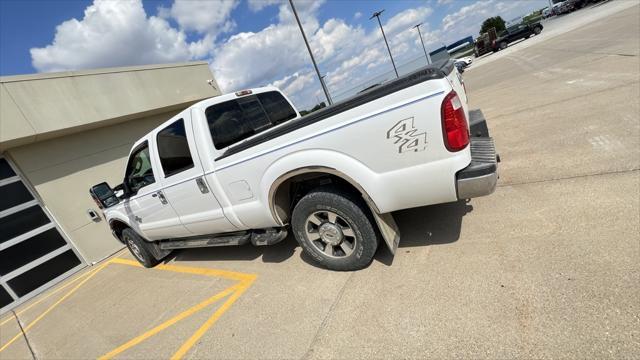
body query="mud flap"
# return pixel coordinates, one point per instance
(388, 229)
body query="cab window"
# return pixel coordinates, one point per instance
(139, 172)
(173, 149)
(235, 120)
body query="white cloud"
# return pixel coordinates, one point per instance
(257, 5)
(306, 9)
(480, 8)
(336, 40)
(254, 59)
(251, 59)
(212, 17)
(404, 20)
(444, 2)
(112, 33)
(295, 83)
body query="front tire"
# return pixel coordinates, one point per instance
(139, 248)
(537, 30)
(336, 229)
(503, 45)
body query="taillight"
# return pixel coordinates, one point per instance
(454, 123)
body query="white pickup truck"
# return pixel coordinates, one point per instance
(246, 167)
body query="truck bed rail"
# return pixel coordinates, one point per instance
(436, 71)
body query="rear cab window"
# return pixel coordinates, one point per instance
(235, 120)
(173, 149)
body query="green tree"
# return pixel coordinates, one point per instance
(492, 22)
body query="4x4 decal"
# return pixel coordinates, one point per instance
(406, 136)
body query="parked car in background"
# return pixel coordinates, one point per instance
(484, 43)
(567, 6)
(546, 12)
(516, 32)
(465, 61)
(556, 8)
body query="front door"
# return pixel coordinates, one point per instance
(148, 210)
(183, 183)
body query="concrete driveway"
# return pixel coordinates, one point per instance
(547, 266)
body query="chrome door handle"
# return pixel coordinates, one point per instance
(202, 185)
(160, 195)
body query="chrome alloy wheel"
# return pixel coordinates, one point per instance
(330, 234)
(135, 249)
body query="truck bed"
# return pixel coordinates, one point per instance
(438, 70)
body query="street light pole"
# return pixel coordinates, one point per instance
(327, 93)
(377, 16)
(422, 41)
(313, 60)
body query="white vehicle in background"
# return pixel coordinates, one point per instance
(466, 61)
(247, 168)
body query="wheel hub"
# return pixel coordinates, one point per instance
(330, 233)
(135, 249)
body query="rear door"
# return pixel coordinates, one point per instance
(183, 181)
(149, 212)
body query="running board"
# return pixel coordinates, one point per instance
(231, 240)
(259, 237)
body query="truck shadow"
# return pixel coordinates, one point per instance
(424, 226)
(428, 225)
(270, 254)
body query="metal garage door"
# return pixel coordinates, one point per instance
(34, 254)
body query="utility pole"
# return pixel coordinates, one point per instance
(313, 60)
(422, 41)
(328, 96)
(377, 16)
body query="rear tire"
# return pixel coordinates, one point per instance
(336, 229)
(537, 30)
(503, 45)
(139, 248)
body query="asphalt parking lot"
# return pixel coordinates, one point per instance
(547, 266)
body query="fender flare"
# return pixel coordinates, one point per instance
(334, 163)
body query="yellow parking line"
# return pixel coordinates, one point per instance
(48, 295)
(169, 322)
(231, 275)
(53, 306)
(244, 282)
(212, 320)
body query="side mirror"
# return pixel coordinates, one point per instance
(103, 195)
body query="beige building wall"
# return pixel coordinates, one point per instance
(42, 106)
(63, 169)
(68, 131)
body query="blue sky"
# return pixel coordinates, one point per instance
(246, 42)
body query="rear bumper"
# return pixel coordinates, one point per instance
(481, 176)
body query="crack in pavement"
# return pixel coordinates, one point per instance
(26, 339)
(570, 177)
(323, 324)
